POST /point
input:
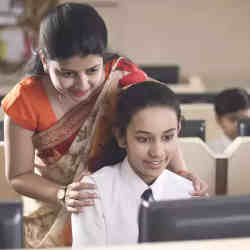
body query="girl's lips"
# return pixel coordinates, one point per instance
(154, 164)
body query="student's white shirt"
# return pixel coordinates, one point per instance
(220, 144)
(113, 218)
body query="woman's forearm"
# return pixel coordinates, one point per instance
(19, 164)
(35, 186)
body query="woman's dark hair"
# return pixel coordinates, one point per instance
(231, 100)
(67, 30)
(131, 101)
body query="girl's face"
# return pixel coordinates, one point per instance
(77, 77)
(229, 122)
(151, 141)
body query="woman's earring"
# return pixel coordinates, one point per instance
(43, 61)
(45, 68)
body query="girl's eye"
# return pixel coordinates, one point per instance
(142, 139)
(168, 137)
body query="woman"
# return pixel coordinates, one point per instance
(58, 120)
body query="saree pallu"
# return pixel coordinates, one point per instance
(87, 128)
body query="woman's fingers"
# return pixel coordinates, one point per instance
(76, 201)
(76, 206)
(200, 187)
(80, 195)
(80, 186)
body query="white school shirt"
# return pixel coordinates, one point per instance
(113, 218)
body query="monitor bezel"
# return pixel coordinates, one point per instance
(199, 208)
(241, 130)
(16, 207)
(198, 124)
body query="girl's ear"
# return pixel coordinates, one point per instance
(217, 119)
(121, 139)
(179, 127)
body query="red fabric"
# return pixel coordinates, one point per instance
(135, 74)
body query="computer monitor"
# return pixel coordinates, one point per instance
(193, 128)
(163, 73)
(207, 97)
(1, 130)
(11, 225)
(195, 219)
(244, 127)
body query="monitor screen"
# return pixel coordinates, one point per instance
(193, 128)
(244, 127)
(195, 219)
(1, 130)
(207, 97)
(11, 224)
(167, 74)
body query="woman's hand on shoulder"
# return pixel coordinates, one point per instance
(80, 194)
(200, 186)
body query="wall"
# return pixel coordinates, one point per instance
(206, 38)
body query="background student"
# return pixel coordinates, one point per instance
(230, 106)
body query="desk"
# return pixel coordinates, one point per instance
(194, 85)
(222, 244)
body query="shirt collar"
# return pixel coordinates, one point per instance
(131, 179)
(138, 186)
(157, 187)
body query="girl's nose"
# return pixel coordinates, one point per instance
(156, 150)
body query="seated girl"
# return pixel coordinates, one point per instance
(146, 128)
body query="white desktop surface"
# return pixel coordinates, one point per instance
(218, 244)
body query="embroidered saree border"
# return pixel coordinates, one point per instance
(68, 125)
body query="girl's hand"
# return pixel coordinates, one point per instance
(79, 195)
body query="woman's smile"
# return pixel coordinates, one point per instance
(80, 93)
